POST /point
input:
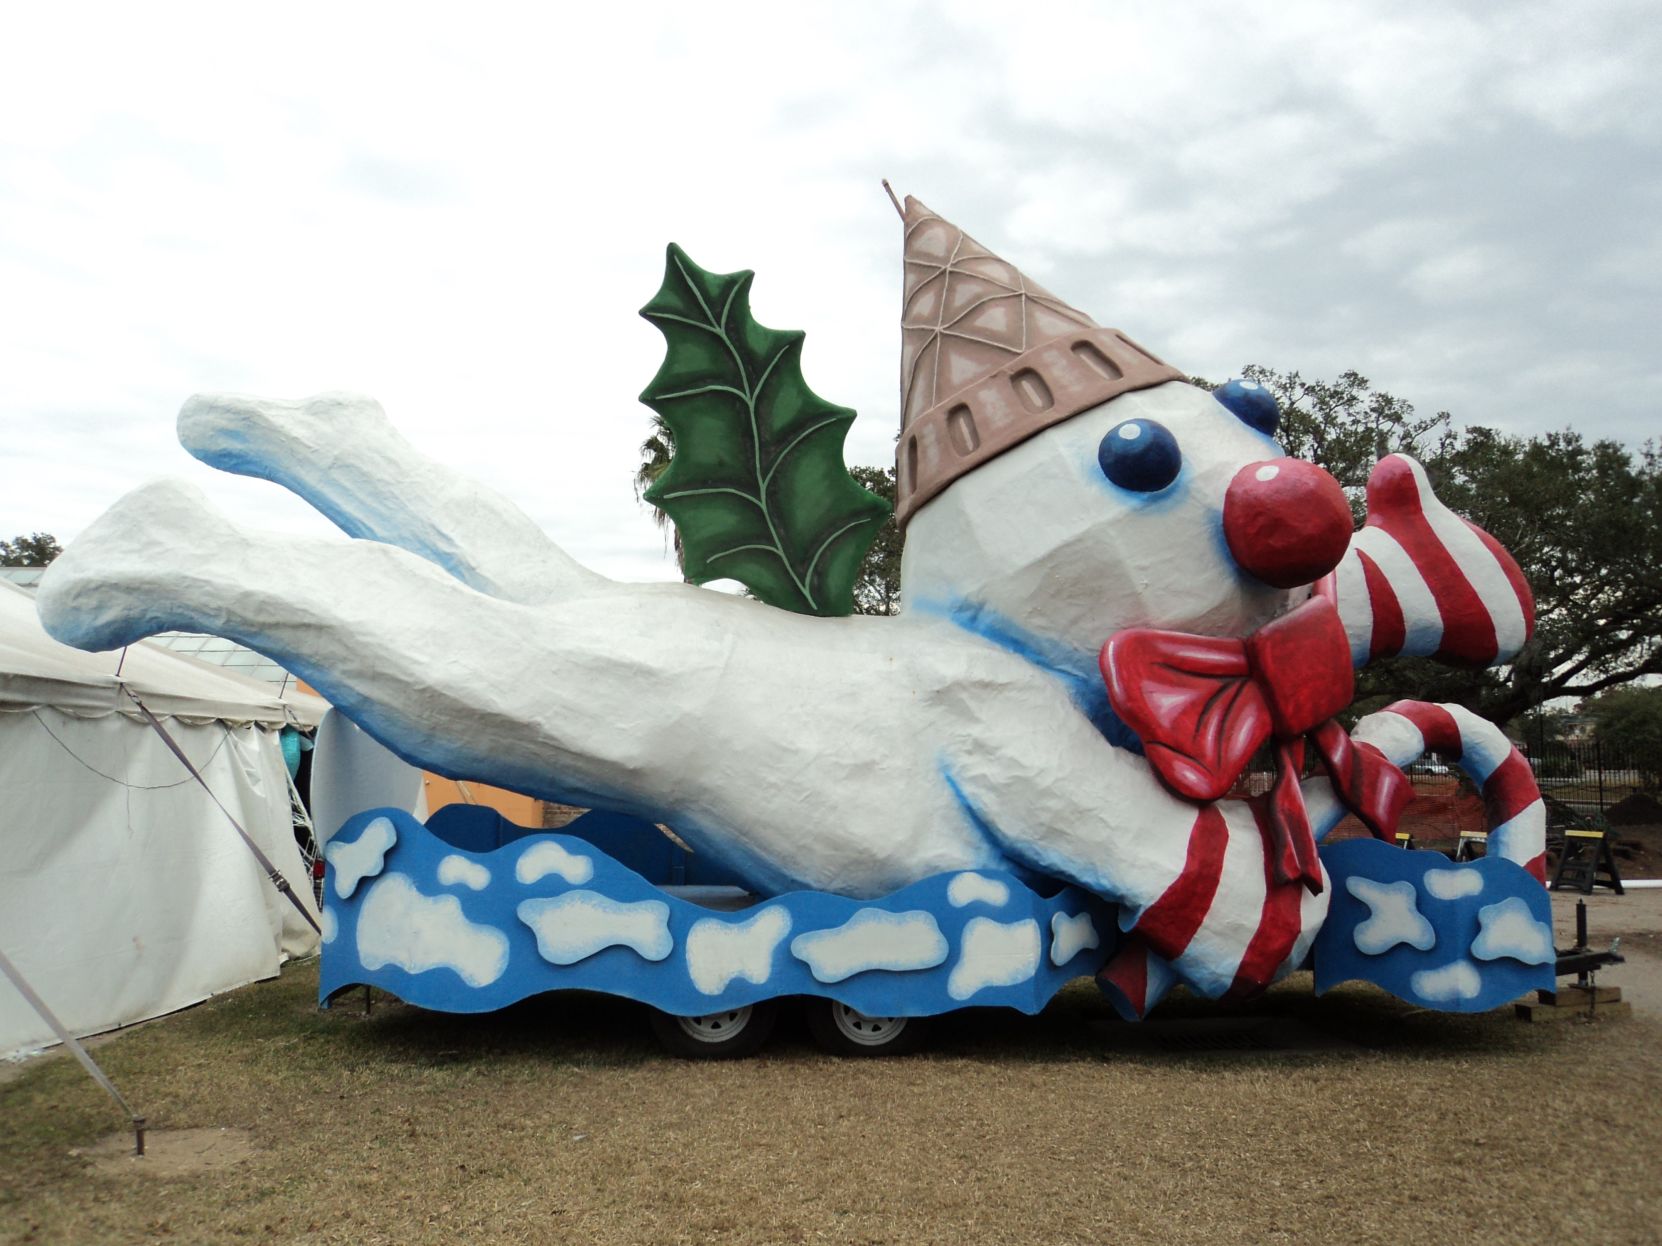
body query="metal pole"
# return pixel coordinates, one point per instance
(68, 1040)
(1598, 759)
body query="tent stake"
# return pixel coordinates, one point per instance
(68, 1040)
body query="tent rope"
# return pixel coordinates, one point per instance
(68, 1040)
(137, 787)
(271, 871)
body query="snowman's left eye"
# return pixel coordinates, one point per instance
(1140, 455)
(1251, 403)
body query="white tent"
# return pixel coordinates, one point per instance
(125, 893)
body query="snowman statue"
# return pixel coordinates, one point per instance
(1116, 591)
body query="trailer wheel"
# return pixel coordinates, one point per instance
(845, 1031)
(730, 1034)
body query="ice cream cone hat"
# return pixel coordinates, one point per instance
(988, 358)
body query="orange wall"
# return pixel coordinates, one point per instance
(523, 810)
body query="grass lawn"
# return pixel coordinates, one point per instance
(558, 1120)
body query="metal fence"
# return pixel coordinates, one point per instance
(1588, 774)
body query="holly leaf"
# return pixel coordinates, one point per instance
(756, 487)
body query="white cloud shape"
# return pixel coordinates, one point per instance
(994, 954)
(457, 870)
(718, 951)
(546, 857)
(1510, 930)
(872, 939)
(576, 925)
(362, 858)
(1459, 980)
(976, 888)
(417, 933)
(1453, 884)
(1070, 936)
(327, 924)
(1393, 917)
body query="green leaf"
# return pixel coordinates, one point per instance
(756, 487)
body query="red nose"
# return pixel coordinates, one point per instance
(1286, 521)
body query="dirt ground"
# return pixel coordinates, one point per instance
(1351, 1118)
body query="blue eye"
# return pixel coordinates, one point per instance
(1252, 404)
(1139, 455)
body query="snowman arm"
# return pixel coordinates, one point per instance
(341, 454)
(1420, 581)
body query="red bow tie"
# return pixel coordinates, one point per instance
(1202, 706)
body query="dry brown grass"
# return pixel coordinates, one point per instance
(558, 1121)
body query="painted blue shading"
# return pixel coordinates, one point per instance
(633, 842)
(670, 984)
(1447, 976)
(1250, 403)
(1077, 671)
(1139, 455)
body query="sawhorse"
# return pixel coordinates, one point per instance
(1472, 846)
(1587, 861)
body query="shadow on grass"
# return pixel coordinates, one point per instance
(585, 1030)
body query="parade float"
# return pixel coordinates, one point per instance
(1117, 590)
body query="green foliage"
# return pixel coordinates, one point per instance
(656, 452)
(1628, 723)
(756, 484)
(877, 590)
(35, 550)
(1542, 734)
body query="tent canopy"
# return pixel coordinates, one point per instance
(36, 670)
(124, 891)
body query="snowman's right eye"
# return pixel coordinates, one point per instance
(1140, 455)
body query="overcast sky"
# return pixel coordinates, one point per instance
(460, 214)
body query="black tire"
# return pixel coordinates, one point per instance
(844, 1031)
(730, 1034)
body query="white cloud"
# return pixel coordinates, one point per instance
(1070, 936)
(1449, 984)
(1393, 917)
(546, 857)
(872, 939)
(1453, 884)
(362, 857)
(994, 954)
(720, 951)
(976, 888)
(576, 925)
(1509, 930)
(398, 925)
(457, 870)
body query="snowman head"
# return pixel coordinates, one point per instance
(1058, 482)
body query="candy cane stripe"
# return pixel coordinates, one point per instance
(1169, 924)
(1468, 631)
(1389, 631)
(1279, 925)
(1509, 789)
(1425, 582)
(1439, 733)
(1514, 578)
(1514, 812)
